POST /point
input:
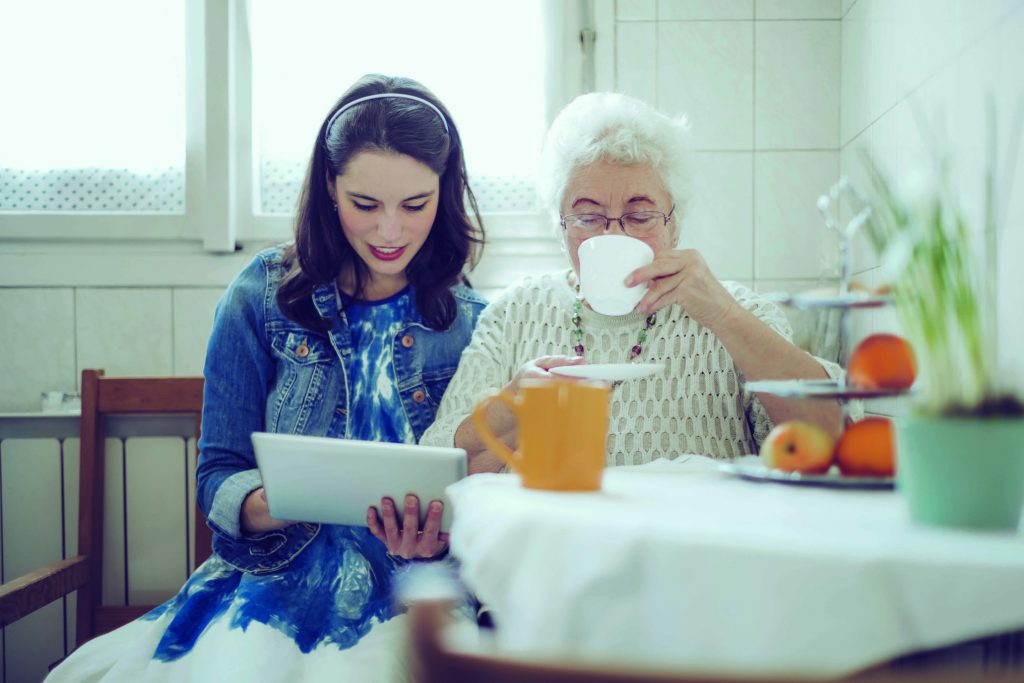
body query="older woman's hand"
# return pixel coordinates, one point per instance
(538, 369)
(681, 276)
(500, 420)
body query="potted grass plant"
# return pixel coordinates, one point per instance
(960, 448)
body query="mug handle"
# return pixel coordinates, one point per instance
(510, 457)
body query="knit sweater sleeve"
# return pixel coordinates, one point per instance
(772, 315)
(484, 366)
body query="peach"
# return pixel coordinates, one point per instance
(798, 446)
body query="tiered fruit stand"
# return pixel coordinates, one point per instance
(845, 302)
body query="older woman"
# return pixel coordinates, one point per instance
(610, 156)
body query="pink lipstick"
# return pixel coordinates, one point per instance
(386, 253)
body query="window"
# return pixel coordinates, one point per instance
(82, 137)
(487, 67)
(191, 121)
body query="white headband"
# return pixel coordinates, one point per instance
(383, 95)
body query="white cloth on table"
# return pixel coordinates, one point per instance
(676, 564)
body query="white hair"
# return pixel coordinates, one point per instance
(618, 129)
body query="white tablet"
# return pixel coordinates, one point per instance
(334, 481)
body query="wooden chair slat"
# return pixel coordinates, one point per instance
(38, 588)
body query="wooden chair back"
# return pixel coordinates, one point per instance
(102, 397)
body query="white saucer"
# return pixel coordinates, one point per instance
(610, 372)
(752, 469)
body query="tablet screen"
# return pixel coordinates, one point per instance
(334, 481)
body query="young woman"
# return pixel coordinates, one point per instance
(353, 330)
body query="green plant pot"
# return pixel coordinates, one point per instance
(961, 472)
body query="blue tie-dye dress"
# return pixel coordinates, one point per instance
(334, 594)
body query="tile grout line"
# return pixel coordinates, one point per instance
(188, 527)
(63, 543)
(657, 32)
(729, 21)
(753, 156)
(124, 510)
(174, 340)
(74, 338)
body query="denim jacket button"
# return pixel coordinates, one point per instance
(407, 341)
(301, 350)
(418, 396)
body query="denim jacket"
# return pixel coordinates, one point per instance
(265, 372)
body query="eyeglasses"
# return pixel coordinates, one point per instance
(634, 224)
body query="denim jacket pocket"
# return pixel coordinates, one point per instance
(266, 552)
(295, 401)
(299, 347)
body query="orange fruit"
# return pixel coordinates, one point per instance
(858, 286)
(882, 361)
(867, 448)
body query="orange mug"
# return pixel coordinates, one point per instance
(563, 425)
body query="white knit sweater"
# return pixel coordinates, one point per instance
(698, 405)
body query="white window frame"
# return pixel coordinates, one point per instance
(195, 248)
(206, 127)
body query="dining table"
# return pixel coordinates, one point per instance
(683, 565)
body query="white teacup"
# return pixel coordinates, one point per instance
(605, 261)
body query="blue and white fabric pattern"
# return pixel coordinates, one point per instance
(378, 414)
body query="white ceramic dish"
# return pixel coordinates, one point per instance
(609, 372)
(751, 468)
(820, 388)
(851, 300)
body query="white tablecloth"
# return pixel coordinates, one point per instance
(676, 564)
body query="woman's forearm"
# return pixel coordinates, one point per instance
(761, 353)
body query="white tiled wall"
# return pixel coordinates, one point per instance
(706, 69)
(720, 218)
(790, 239)
(796, 103)
(913, 65)
(759, 82)
(48, 336)
(781, 95)
(37, 345)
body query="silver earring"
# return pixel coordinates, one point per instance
(335, 205)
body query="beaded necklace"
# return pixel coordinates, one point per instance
(577, 332)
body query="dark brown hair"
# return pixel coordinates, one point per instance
(396, 125)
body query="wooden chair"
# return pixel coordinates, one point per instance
(102, 397)
(433, 660)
